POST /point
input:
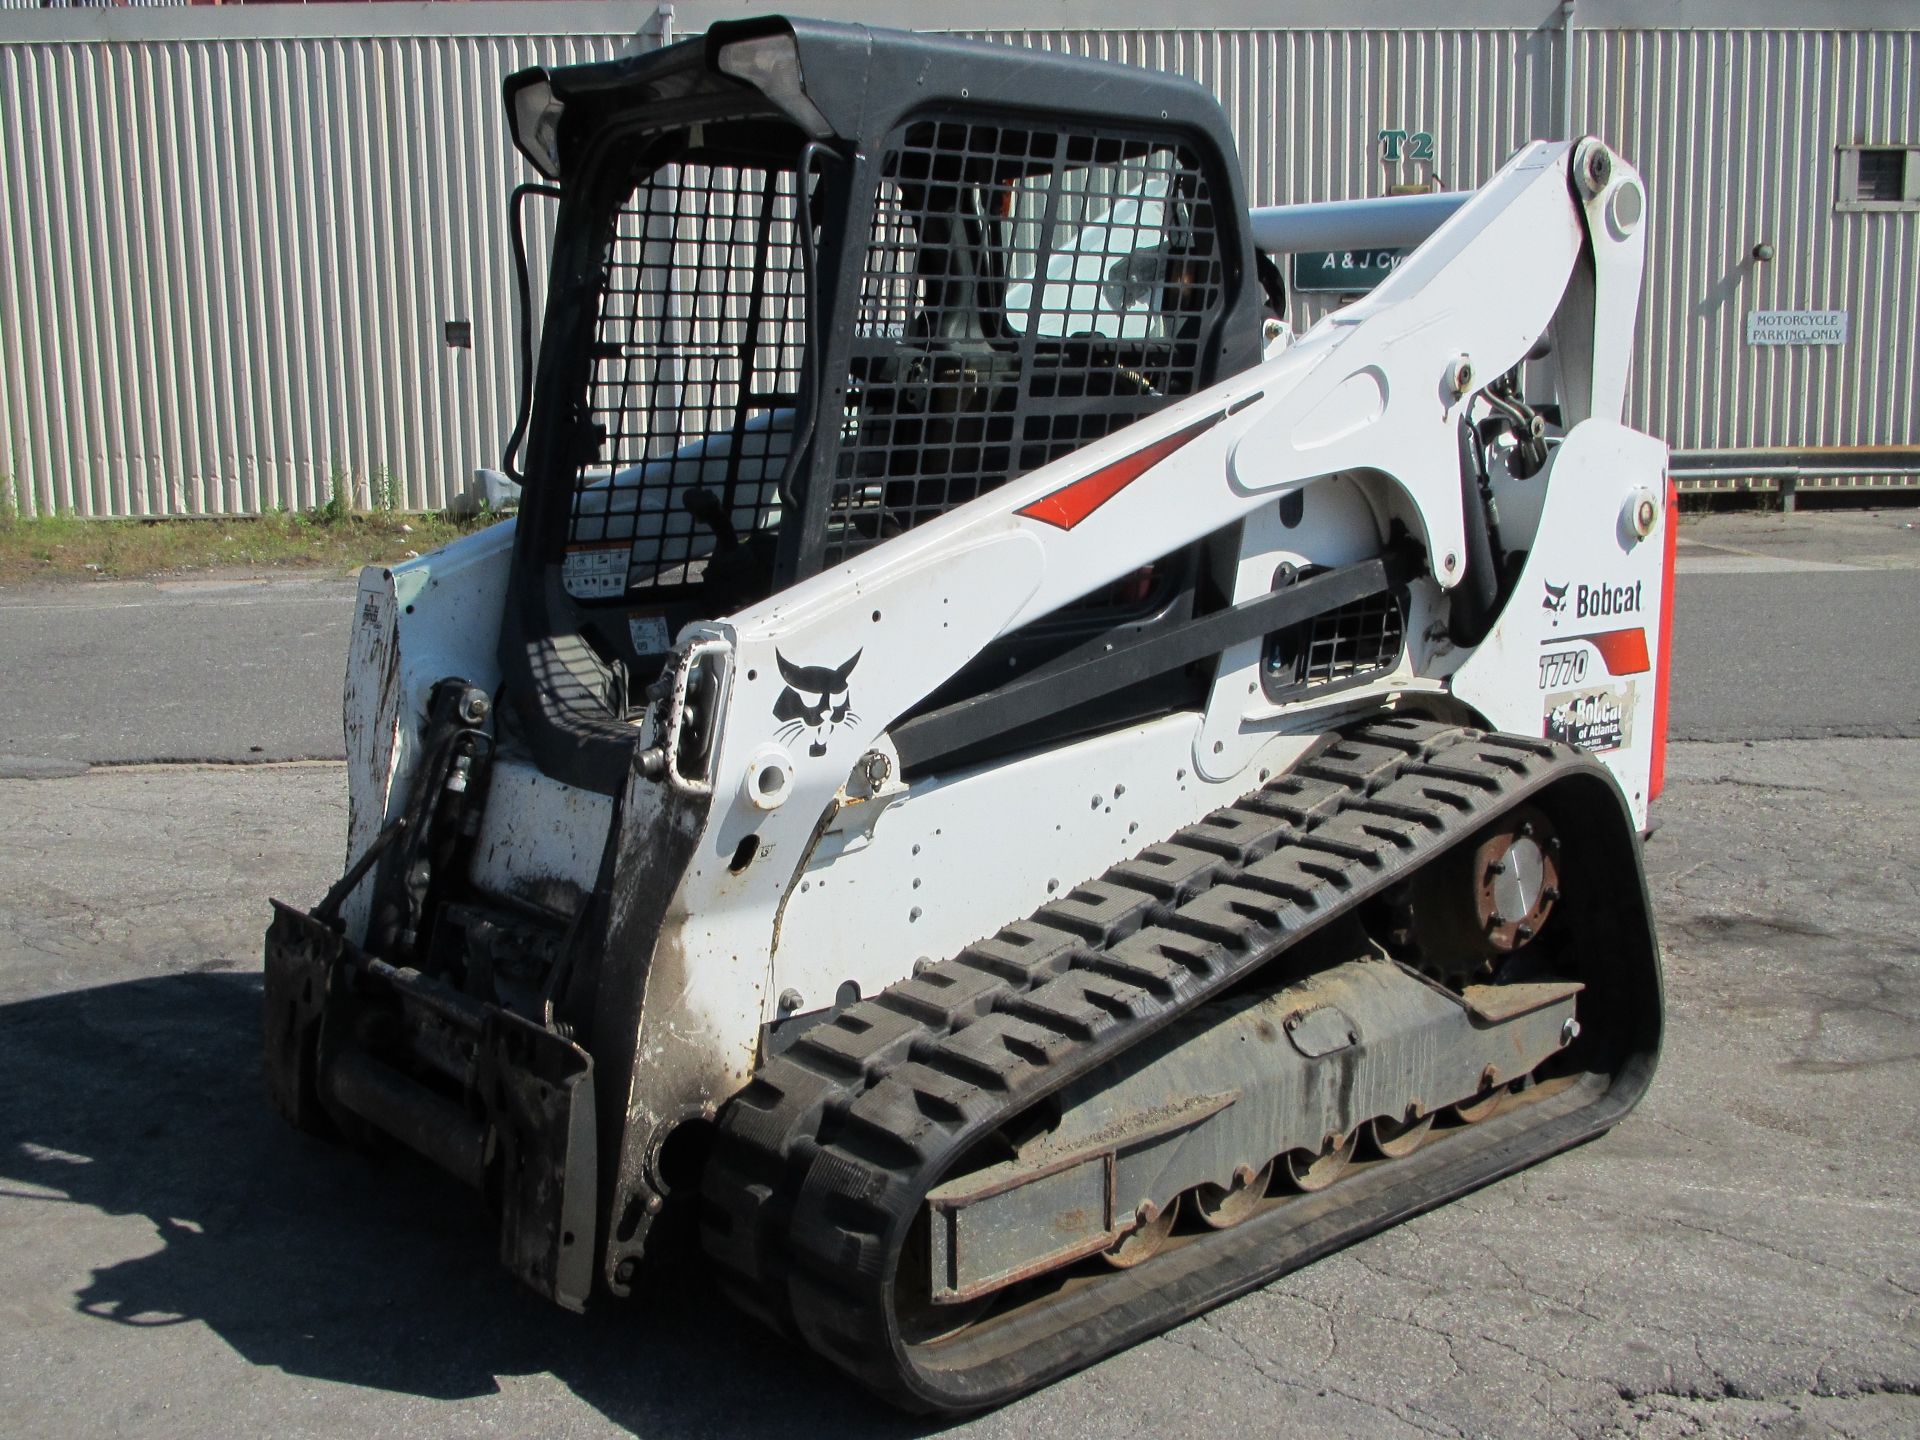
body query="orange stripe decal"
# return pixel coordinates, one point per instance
(1657, 781)
(1075, 501)
(1623, 651)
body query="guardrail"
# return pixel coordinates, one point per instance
(1787, 471)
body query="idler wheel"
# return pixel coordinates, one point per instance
(1485, 899)
(921, 1321)
(1224, 1206)
(1516, 880)
(1310, 1172)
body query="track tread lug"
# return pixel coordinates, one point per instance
(1355, 764)
(1062, 1006)
(1299, 800)
(1026, 951)
(1139, 962)
(1230, 907)
(1237, 834)
(944, 994)
(1169, 872)
(1100, 911)
(861, 1036)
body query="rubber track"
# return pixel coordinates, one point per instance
(827, 1153)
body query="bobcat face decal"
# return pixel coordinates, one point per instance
(1556, 599)
(816, 699)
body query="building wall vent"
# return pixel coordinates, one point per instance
(1879, 177)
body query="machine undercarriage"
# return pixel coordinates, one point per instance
(1190, 1075)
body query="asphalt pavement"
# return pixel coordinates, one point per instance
(1740, 1257)
(1785, 628)
(113, 672)
(1797, 627)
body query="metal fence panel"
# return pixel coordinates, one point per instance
(231, 240)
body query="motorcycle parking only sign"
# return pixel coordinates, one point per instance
(1796, 327)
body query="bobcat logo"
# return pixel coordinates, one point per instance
(816, 699)
(1556, 600)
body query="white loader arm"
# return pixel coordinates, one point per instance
(1378, 386)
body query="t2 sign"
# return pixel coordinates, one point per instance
(1419, 145)
(1342, 272)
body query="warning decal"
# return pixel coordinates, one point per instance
(596, 572)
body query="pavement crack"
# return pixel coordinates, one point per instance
(1262, 1367)
(1720, 1389)
(1746, 782)
(1799, 1257)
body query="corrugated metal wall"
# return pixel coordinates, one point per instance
(226, 263)
(228, 266)
(1736, 132)
(82, 4)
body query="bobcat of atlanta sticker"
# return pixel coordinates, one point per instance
(1591, 720)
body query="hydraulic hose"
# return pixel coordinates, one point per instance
(810, 342)
(517, 234)
(1476, 599)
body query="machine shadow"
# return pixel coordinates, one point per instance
(145, 1098)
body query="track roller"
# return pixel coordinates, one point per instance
(1224, 1206)
(1310, 1172)
(1145, 1240)
(1397, 1139)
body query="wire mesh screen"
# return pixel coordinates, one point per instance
(1024, 293)
(695, 376)
(1357, 640)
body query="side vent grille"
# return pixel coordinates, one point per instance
(1342, 647)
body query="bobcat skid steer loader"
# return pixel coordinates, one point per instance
(991, 788)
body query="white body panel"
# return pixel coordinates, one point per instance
(1341, 523)
(1374, 392)
(540, 841)
(414, 624)
(1574, 656)
(952, 859)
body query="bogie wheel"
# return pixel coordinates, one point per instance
(1472, 1112)
(1224, 1206)
(1310, 1172)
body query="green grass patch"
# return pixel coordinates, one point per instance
(330, 538)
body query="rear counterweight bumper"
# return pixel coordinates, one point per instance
(495, 1100)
